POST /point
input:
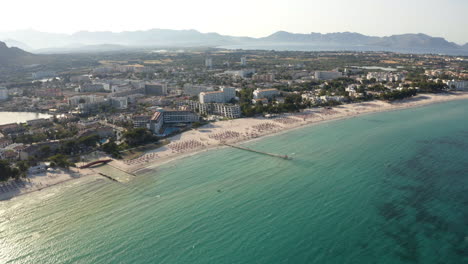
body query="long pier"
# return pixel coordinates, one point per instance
(108, 177)
(285, 157)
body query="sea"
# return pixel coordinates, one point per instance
(387, 188)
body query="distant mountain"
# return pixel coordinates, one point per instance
(14, 56)
(17, 44)
(346, 39)
(11, 57)
(86, 41)
(149, 38)
(415, 40)
(331, 38)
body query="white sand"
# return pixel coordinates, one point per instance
(40, 181)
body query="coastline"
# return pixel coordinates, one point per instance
(214, 135)
(347, 111)
(41, 181)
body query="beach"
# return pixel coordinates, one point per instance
(39, 181)
(216, 135)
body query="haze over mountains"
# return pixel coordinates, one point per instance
(85, 41)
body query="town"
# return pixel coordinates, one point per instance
(121, 105)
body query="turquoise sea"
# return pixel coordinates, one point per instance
(382, 188)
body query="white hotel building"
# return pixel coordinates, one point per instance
(265, 93)
(225, 95)
(458, 85)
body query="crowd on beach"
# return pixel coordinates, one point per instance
(225, 135)
(286, 120)
(186, 145)
(142, 159)
(265, 127)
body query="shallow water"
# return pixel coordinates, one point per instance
(382, 188)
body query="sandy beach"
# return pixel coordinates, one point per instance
(215, 135)
(39, 181)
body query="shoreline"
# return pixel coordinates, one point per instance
(213, 136)
(414, 102)
(40, 181)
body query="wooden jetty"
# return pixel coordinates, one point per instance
(285, 157)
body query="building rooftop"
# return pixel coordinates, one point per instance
(214, 92)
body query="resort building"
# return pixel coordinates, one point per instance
(225, 95)
(141, 121)
(173, 117)
(192, 90)
(458, 85)
(211, 97)
(263, 77)
(227, 110)
(156, 122)
(265, 93)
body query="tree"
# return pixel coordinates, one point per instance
(45, 150)
(89, 141)
(7, 171)
(23, 167)
(60, 161)
(112, 149)
(139, 136)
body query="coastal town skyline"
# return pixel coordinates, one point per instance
(147, 139)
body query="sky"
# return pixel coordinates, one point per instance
(254, 18)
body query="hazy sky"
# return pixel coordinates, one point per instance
(256, 18)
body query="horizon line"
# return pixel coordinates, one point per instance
(212, 32)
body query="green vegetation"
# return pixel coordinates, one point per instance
(60, 161)
(430, 86)
(292, 103)
(112, 149)
(139, 136)
(398, 95)
(9, 170)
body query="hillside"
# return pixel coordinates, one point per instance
(13, 56)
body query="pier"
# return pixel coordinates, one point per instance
(124, 171)
(285, 157)
(108, 177)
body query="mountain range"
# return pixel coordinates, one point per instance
(14, 56)
(85, 41)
